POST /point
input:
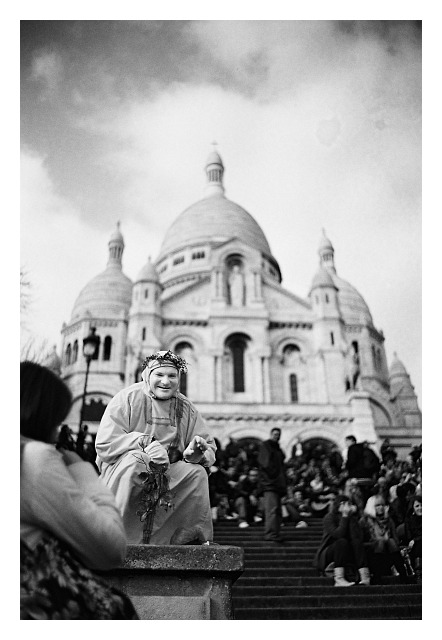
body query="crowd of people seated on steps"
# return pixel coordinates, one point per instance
(360, 496)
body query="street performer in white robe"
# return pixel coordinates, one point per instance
(154, 452)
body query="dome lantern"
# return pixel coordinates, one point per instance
(116, 248)
(214, 172)
(326, 253)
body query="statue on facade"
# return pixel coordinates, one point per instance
(236, 287)
(354, 368)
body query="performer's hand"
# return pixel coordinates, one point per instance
(157, 453)
(195, 450)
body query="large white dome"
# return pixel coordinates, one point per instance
(213, 219)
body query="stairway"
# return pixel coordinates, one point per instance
(280, 583)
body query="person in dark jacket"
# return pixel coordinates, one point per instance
(355, 458)
(342, 543)
(273, 484)
(362, 464)
(247, 493)
(413, 536)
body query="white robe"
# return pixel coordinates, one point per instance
(131, 414)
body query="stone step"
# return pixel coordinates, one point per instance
(237, 541)
(280, 572)
(342, 597)
(286, 554)
(367, 612)
(278, 563)
(239, 590)
(249, 537)
(289, 579)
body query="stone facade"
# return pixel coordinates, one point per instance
(258, 354)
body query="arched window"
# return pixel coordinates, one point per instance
(107, 348)
(290, 353)
(373, 355)
(379, 359)
(75, 352)
(332, 338)
(293, 388)
(97, 350)
(183, 383)
(326, 297)
(67, 357)
(143, 333)
(146, 293)
(185, 350)
(237, 346)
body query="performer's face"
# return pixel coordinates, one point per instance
(164, 382)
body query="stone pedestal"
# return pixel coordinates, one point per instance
(186, 582)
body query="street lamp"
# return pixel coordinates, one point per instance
(90, 346)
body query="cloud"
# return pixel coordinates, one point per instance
(318, 125)
(51, 229)
(47, 67)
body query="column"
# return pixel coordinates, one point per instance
(265, 379)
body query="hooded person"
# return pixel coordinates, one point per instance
(154, 452)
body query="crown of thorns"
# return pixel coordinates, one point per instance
(166, 358)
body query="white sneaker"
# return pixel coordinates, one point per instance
(301, 524)
(257, 519)
(243, 525)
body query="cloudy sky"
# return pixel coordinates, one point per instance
(318, 124)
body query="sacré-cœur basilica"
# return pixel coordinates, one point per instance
(258, 355)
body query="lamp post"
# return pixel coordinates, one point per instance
(90, 346)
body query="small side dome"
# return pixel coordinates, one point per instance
(353, 307)
(110, 292)
(148, 273)
(324, 243)
(53, 361)
(322, 278)
(397, 368)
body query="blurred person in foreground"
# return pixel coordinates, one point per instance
(69, 522)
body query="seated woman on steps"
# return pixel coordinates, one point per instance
(154, 452)
(381, 541)
(342, 543)
(413, 536)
